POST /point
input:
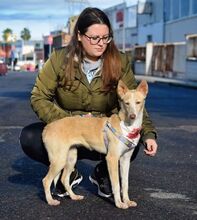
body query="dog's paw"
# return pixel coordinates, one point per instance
(77, 197)
(131, 203)
(54, 202)
(122, 205)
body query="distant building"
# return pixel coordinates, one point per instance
(180, 17)
(167, 38)
(48, 46)
(166, 20)
(124, 24)
(5, 52)
(39, 51)
(30, 53)
(71, 24)
(59, 38)
(150, 23)
(56, 39)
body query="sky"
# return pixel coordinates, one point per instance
(43, 16)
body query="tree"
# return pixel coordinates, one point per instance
(25, 34)
(7, 34)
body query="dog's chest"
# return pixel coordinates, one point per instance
(132, 133)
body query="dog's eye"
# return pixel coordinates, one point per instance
(138, 102)
(126, 103)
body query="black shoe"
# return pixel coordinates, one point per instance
(102, 182)
(75, 179)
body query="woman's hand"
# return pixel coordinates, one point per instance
(151, 147)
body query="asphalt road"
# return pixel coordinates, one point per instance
(165, 187)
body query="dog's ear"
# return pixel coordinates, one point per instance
(122, 88)
(143, 87)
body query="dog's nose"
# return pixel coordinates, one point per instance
(132, 116)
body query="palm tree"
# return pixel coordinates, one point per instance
(25, 34)
(7, 33)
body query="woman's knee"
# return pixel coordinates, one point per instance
(25, 138)
(30, 138)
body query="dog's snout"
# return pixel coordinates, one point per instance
(132, 116)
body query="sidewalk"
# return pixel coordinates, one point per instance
(177, 82)
(151, 79)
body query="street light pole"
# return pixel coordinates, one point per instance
(123, 27)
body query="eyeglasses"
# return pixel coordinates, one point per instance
(96, 39)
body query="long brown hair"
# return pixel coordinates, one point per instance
(111, 69)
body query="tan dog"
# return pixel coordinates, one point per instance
(116, 137)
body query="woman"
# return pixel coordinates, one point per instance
(81, 79)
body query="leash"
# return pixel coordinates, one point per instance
(131, 145)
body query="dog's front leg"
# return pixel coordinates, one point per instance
(113, 168)
(124, 173)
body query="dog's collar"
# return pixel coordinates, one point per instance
(124, 140)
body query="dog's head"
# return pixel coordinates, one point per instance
(132, 101)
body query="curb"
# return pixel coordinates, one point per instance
(176, 82)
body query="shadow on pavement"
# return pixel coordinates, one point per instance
(30, 174)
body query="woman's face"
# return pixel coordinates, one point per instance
(94, 41)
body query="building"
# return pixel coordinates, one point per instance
(160, 21)
(167, 38)
(150, 23)
(30, 53)
(56, 39)
(165, 21)
(124, 24)
(180, 18)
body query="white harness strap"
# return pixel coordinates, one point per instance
(129, 144)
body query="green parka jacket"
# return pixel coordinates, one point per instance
(51, 101)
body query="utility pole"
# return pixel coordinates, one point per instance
(123, 27)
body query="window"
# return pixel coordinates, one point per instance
(192, 48)
(149, 38)
(37, 45)
(175, 9)
(132, 16)
(167, 9)
(140, 53)
(194, 7)
(184, 8)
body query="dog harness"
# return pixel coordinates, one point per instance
(130, 144)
